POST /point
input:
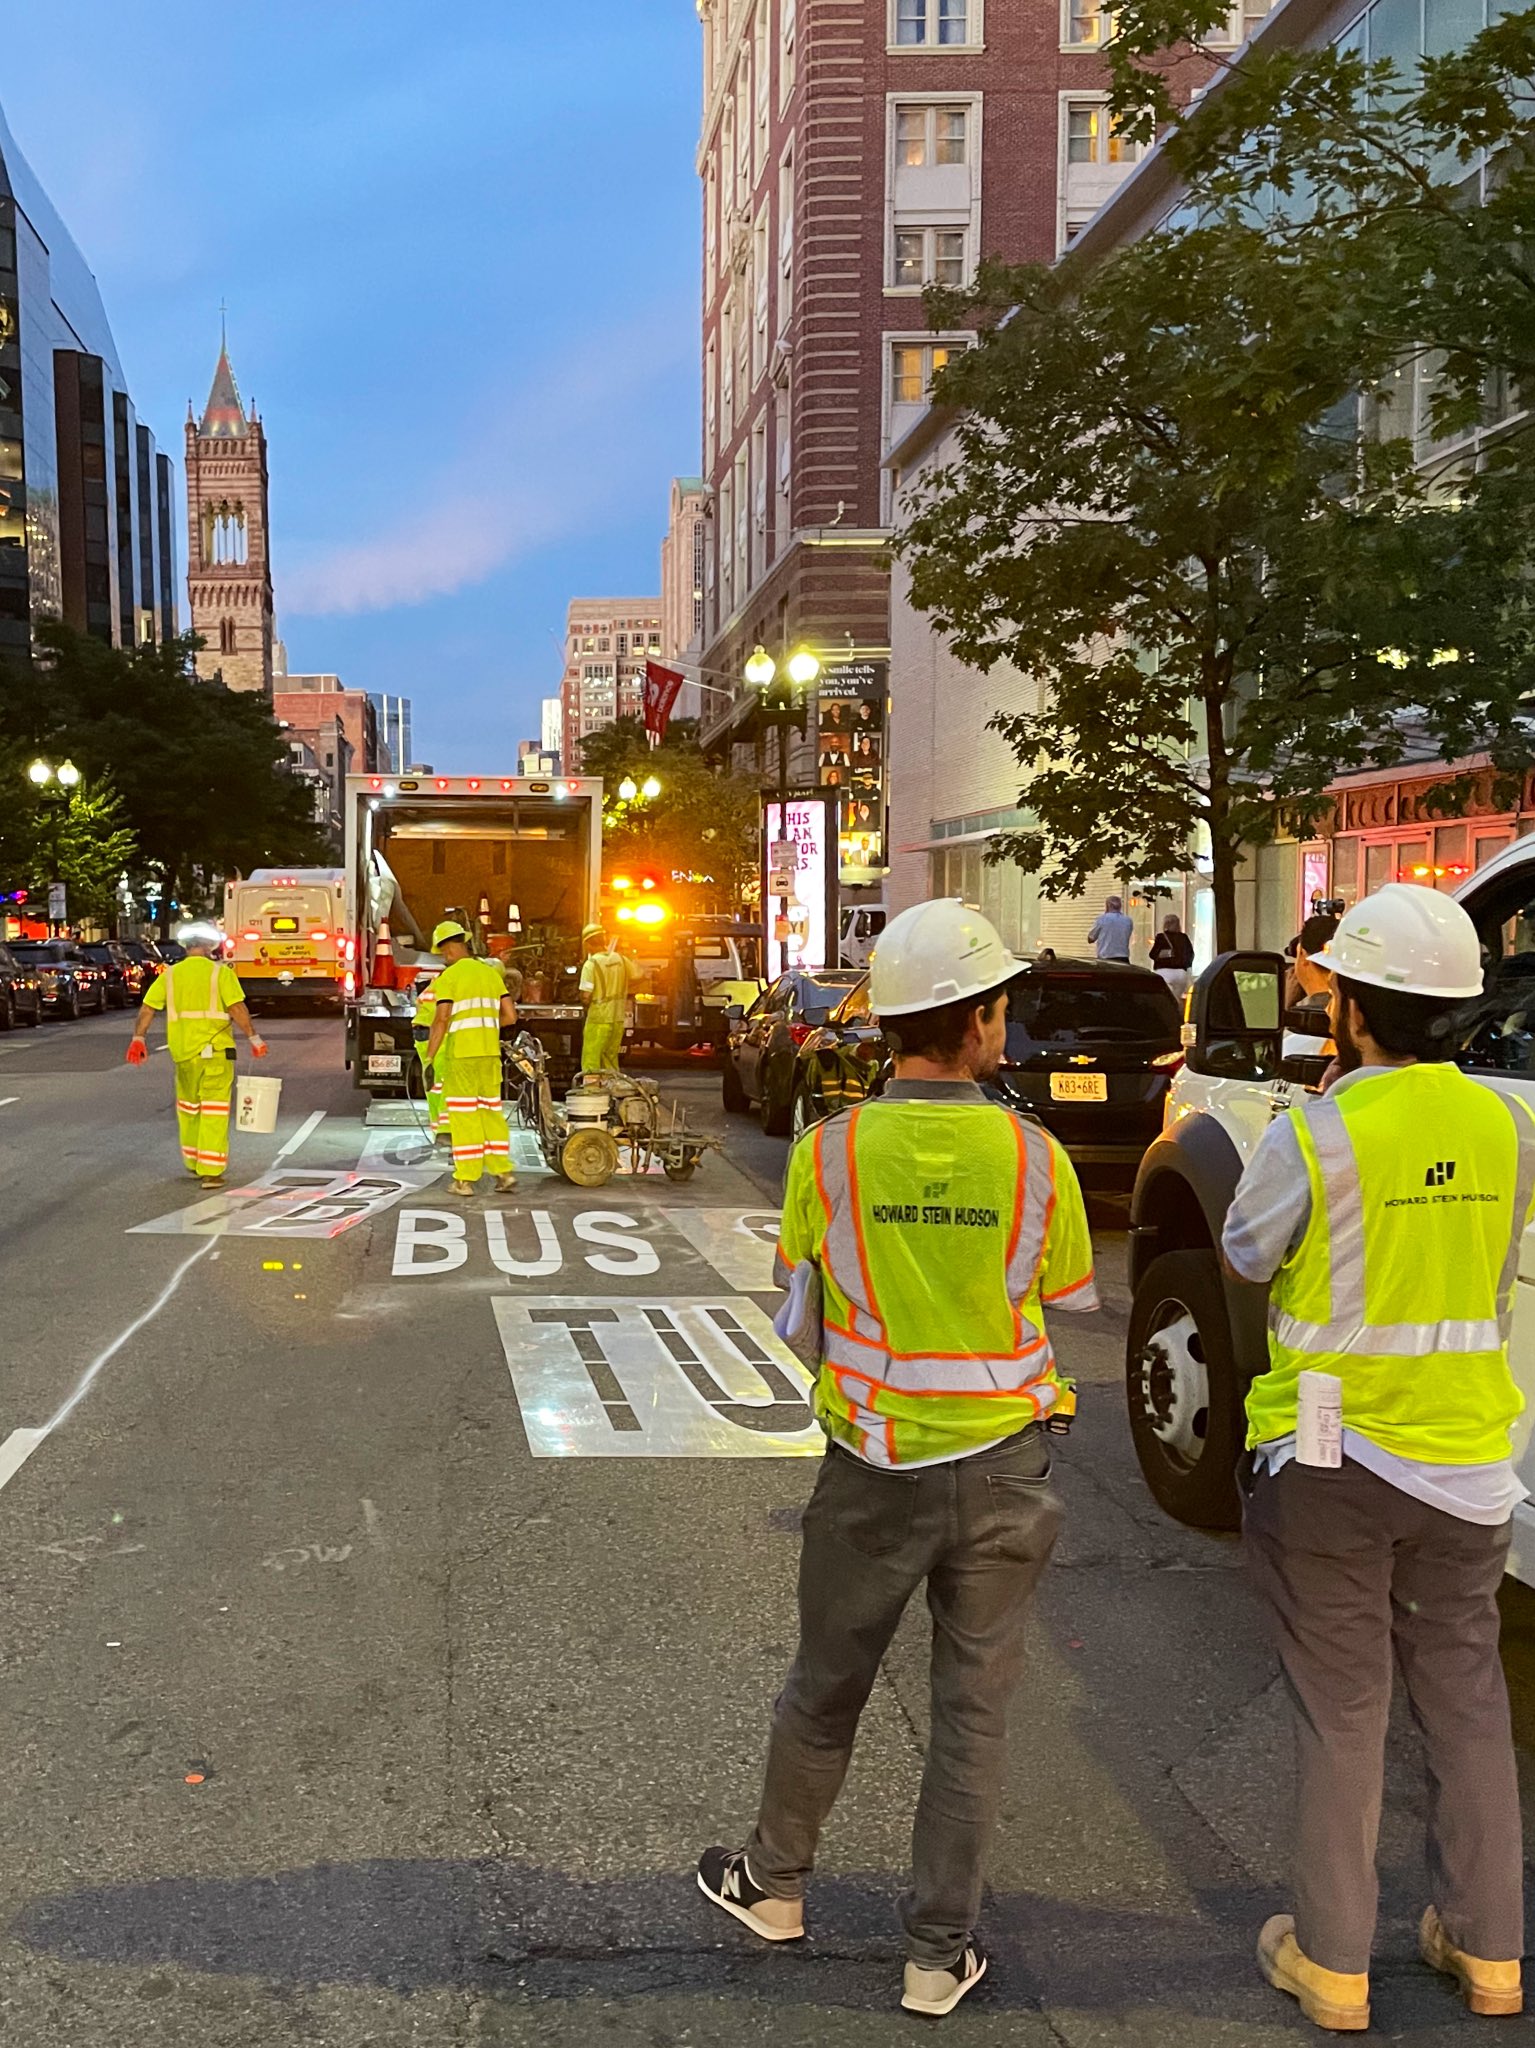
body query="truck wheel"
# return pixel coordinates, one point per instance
(735, 1095)
(1186, 1413)
(771, 1113)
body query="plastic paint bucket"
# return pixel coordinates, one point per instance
(256, 1099)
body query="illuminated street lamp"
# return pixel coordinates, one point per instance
(804, 668)
(57, 802)
(761, 668)
(651, 788)
(628, 790)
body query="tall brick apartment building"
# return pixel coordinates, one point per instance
(854, 151)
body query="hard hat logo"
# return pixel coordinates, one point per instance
(1408, 938)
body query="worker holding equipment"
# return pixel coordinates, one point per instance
(201, 998)
(605, 989)
(1385, 1215)
(464, 1054)
(421, 1032)
(932, 1226)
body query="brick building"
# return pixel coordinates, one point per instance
(229, 575)
(607, 643)
(322, 704)
(853, 152)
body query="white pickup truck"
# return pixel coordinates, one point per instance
(1196, 1341)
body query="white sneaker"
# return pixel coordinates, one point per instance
(936, 1992)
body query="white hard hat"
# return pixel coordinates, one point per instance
(936, 953)
(1409, 938)
(200, 935)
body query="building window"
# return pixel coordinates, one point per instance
(788, 62)
(1242, 21)
(913, 366)
(928, 256)
(1092, 138)
(920, 24)
(1086, 24)
(226, 636)
(931, 135)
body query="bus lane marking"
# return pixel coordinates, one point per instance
(294, 1202)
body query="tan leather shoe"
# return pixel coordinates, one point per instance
(1328, 1998)
(1488, 1988)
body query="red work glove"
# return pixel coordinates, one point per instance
(258, 1048)
(137, 1052)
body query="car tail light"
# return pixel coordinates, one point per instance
(1169, 1062)
(800, 1032)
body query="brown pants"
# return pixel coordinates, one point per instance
(1349, 1569)
(979, 1532)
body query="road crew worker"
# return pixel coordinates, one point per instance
(201, 998)
(1387, 1215)
(605, 989)
(471, 1004)
(936, 1225)
(421, 1033)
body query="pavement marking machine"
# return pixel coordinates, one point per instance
(603, 1118)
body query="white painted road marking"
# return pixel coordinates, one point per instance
(600, 1377)
(7, 1100)
(738, 1244)
(429, 1241)
(293, 1201)
(21, 1443)
(305, 1130)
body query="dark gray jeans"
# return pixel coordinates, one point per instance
(1349, 1569)
(980, 1533)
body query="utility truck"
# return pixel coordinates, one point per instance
(1197, 1338)
(285, 936)
(516, 860)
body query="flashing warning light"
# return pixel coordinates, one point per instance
(626, 913)
(623, 884)
(647, 881)
(651, 914)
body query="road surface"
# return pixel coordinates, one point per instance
(396, 1612)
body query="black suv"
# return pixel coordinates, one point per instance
(21, 992)
(126, 978)
(1091, 1049)
(71, 983)
(762, 1044)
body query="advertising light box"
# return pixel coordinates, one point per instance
(809, 823)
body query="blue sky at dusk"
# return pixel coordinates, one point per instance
(460, 250)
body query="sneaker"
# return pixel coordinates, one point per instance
(1331, 1999)
(724, 1877)
(465, 1188)
(936, 1992)
(1488, 1988)
(506, 1183)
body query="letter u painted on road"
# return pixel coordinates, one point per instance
(598, 1377)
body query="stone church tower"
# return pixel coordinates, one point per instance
(229, 577)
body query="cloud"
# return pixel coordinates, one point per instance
(550, 461)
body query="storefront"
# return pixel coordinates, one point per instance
(1385, 832)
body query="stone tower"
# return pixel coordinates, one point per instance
(229, 577)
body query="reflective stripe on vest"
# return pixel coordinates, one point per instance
(1407, 1258)
(862, 1351)
(199, 1044)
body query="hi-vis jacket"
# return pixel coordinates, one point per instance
(941, 1225)
(476, 991)
(1422, 1184)
(196, 995)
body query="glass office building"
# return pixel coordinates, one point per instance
(85, 498)
(395, 747)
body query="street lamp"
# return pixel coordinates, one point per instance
(761, 668)
(801, 670)
(628, 790)
(650, 789)
(57, 800)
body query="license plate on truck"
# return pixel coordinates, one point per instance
(1079, 1087)
(388, 1063)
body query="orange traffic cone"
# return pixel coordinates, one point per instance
(383, 959)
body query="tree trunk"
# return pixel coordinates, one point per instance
(1223, 854)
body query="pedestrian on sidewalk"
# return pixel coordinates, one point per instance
(932, 1226)
(463, 1053)
(1112, 932)
(1387, 1215)
(1172, 954)
(201, 998)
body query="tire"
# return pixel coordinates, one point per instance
(772, 1114)
(36, 1018)
(1182, 1389)
(71, 1009)
(7, 1013)
(800, 1119)
(736, 1100)
(683, 1172)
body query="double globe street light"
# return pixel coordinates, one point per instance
(56, 787)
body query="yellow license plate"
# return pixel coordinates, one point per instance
(1079, 1087)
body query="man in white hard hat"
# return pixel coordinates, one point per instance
(933, 1226)
(1385, 1217)
(201, 998)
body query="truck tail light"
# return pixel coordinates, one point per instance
(350, 983)
(1168, 1062)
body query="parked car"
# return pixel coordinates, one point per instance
(126, 978)
(21, 992)
(1091, 1050)
(148, 956)
(72, 984)
(762, 1043)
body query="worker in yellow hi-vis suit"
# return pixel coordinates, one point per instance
(421, 1032)
(472, 1004)
(201, 998)
(605, 987)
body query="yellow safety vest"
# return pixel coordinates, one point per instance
(605, 978)
(196, 995)
(1422, 1183)
(476, 991)
(940, 1230)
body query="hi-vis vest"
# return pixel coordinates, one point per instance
(1421, 1187)
(196, 995)
(939, 1229)
(476, 991)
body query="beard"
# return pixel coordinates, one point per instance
(1349, 1057)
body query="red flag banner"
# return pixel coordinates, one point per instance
(661, 687)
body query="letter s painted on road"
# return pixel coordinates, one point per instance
(639, 1256)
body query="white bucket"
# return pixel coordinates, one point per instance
(587, 1105)
(256, 1100)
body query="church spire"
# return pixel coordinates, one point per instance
(224, 415)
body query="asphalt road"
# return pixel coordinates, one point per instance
(397, 1613)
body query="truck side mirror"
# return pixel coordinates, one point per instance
(1235, 1030)
(735, 1013)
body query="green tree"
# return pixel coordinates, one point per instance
(1163, 516)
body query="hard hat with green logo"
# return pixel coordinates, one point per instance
(1409, 938)
(934, 954)
(450, 928)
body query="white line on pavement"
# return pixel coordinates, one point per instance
(304, 1131)
(7, 1100)
(21, 1443)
